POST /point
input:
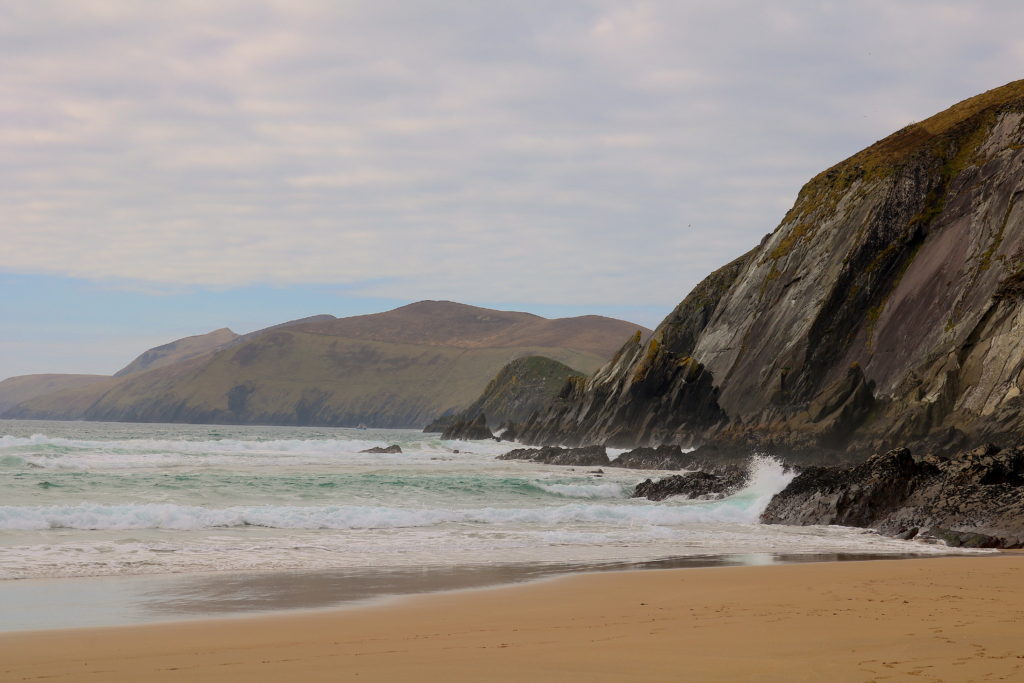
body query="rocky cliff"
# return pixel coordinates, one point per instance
(974, 498)
(886, 309)
(520, 389)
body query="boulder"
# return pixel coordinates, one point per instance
(665, 457)
(588, 456)
(692, 485)
(394, 448)
(974, 499)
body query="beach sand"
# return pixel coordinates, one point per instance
(942, 619)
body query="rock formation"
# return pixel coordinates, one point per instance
(975, 498)
(661, 458)
(520, 389)
(590, 456)
(392, 449)
(703, 485)
(886, 309)
(469, 429)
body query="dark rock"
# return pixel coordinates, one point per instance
(665, 457)
(691, 485)
(394, 448)
(964, 539)
(974, 499)
(587, 456)
(469, 430)
(861, 496)
(520, 389)
(440, 424)
(509, 431)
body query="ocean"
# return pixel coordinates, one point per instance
(90, 499)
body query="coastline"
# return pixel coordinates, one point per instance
(133, 600)
(946, 618)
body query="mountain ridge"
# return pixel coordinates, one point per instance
(306, 372)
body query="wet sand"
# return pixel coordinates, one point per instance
(88, 602)
(941, 619)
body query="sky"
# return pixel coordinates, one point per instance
(172, 168)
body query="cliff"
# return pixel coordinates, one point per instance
(520, 389)
(885, 309)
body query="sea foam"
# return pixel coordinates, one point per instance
(744, 507)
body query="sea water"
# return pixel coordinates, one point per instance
(82, 499)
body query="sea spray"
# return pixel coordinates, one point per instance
(766, 477)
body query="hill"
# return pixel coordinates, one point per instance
(15, 390)
(182, 349)
(400, 368)
(886, 309)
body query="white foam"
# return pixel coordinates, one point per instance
(248, 510)
(59, 453)
(609, 490)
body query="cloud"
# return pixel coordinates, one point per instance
(597, 153)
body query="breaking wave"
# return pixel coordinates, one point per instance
(744, 507)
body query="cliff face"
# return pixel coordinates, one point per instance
(885, 308)
(519, 390)
(650, 392)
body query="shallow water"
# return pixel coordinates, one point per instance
(111, 499)
(42, 604)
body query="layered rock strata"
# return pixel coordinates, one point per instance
(694, 485)
(590, 456)
(886, 309)
(975, 498)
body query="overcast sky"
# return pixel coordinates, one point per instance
(174, 167)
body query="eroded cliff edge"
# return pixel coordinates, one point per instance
(886, 309)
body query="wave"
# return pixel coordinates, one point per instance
(40, 450)
(254, 446)
(745, 507)
(586, 490)
(91, 516)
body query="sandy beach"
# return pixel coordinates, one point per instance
(941, 619)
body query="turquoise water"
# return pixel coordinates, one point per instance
(100, 499)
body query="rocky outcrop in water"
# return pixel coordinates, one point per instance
(468, 430)
(392, 449)
(438, 425)
(665, 457)
(590, 456)
(886, 309)
(975, 498)
(692, 485)
(519, 390)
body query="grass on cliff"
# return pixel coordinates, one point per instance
(954, 134)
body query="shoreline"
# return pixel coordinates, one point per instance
(61, 603)
(941, 618)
